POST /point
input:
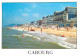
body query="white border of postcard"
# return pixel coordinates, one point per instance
(56, 52)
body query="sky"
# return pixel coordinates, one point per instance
(21, 13)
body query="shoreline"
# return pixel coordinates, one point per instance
(67, 33)
(71, 40)
(60, 32)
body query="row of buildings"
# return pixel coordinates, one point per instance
(67, 17)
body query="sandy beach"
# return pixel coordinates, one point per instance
(60, 32)
(69, 34)
(63, 32)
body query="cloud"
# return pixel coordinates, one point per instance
(25, 14)
(36, 15)
(26, 9)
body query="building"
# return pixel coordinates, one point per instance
(61, 18)
(50, 20)
(34, 23)
(44, 21)
(39, 23)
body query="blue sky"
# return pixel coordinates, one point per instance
(21, 13)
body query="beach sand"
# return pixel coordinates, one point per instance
(70, 34)
(71, 40)
(60, 32)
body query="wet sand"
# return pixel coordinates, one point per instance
(71, 40)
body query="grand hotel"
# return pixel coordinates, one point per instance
(67, 17)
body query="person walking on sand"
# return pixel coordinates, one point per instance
(41, 30)
(57, 27)
(67, 28)
(28, 28)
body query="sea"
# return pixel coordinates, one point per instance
(19, 39)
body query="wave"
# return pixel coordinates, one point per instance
(36, 38)
(19, 29)
(50, 38)
(32, 36)
(27, 34)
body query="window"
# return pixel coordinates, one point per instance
(71, 16)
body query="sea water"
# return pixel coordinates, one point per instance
(13, 39)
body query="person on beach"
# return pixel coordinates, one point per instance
(57, 27)
(67, 28)
(28, 28)
(41, 30)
